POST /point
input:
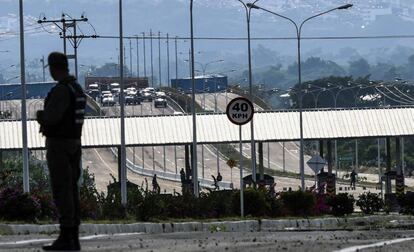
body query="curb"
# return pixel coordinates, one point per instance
(366, 222)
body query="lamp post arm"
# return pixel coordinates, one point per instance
(314, 16)
(284, 17)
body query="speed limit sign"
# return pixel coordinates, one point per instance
(240, 110)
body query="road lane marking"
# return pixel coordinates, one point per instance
(84, 238)
(25, 242)
(378, 244)
(103, 161)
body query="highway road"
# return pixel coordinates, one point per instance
(102, 162)
(273, 155)
(153, 158)
(310, 241)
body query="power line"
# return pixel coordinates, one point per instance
(272, 38)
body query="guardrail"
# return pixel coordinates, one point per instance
(207, 183)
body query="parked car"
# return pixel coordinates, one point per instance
(160, 102)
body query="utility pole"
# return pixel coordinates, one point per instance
(176, 58)
(130, 58)
(63, 24)
(137, 58)
(152, 61)
(168, 60)
(159, 57)
(43, 68)
(145, 57)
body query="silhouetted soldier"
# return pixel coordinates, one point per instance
(61, 123)
(353, 178)
(182, 176)
(219, 177)
(155, 186)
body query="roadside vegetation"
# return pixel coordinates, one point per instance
(147, 205)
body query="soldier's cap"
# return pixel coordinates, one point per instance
(58, 60)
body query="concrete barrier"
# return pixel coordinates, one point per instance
(225, 226)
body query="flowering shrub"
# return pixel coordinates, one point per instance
(48, 209)
(321, 206)
(16, 205)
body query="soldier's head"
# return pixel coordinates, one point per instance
(58, 66)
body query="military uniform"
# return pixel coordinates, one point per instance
(61, 123)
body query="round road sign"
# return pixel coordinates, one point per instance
(240, 110)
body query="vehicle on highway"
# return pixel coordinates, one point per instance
(94, 93)
(150, 89)
(160, 94)
(132, 99)
(160, 102)
(94, 86)
(5, 114)
(147, 96)
(108, 100)
(131, 90)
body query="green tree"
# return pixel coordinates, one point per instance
(109, 70)
(359, 68)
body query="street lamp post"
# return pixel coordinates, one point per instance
(123, 170)
(25, 149)
(159, 59)
(145, 54)
(248, 8)
(298, 36)
(194, 153)
(152, 61)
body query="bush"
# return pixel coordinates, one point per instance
(321, 206)
(90, 207)
(152, 206)
(216, 204)
(255, 203)
(341, 204)
(370, 202)
(298, 203)
(407, 203)
(276, 206)
(16, 205)
(111, 204)
(48, 209)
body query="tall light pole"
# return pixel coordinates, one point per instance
(152, 61)
(159, 58)
(298, 36)
(248, 10)
(193, 109)
(121, 104)
(25, 151)
(130, 58)
(145, 55)
(176, 57)
(168, 60)
(137, 57)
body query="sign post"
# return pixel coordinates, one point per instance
(316, 163)
(240, 111)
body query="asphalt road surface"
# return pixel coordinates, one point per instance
(316, 241)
